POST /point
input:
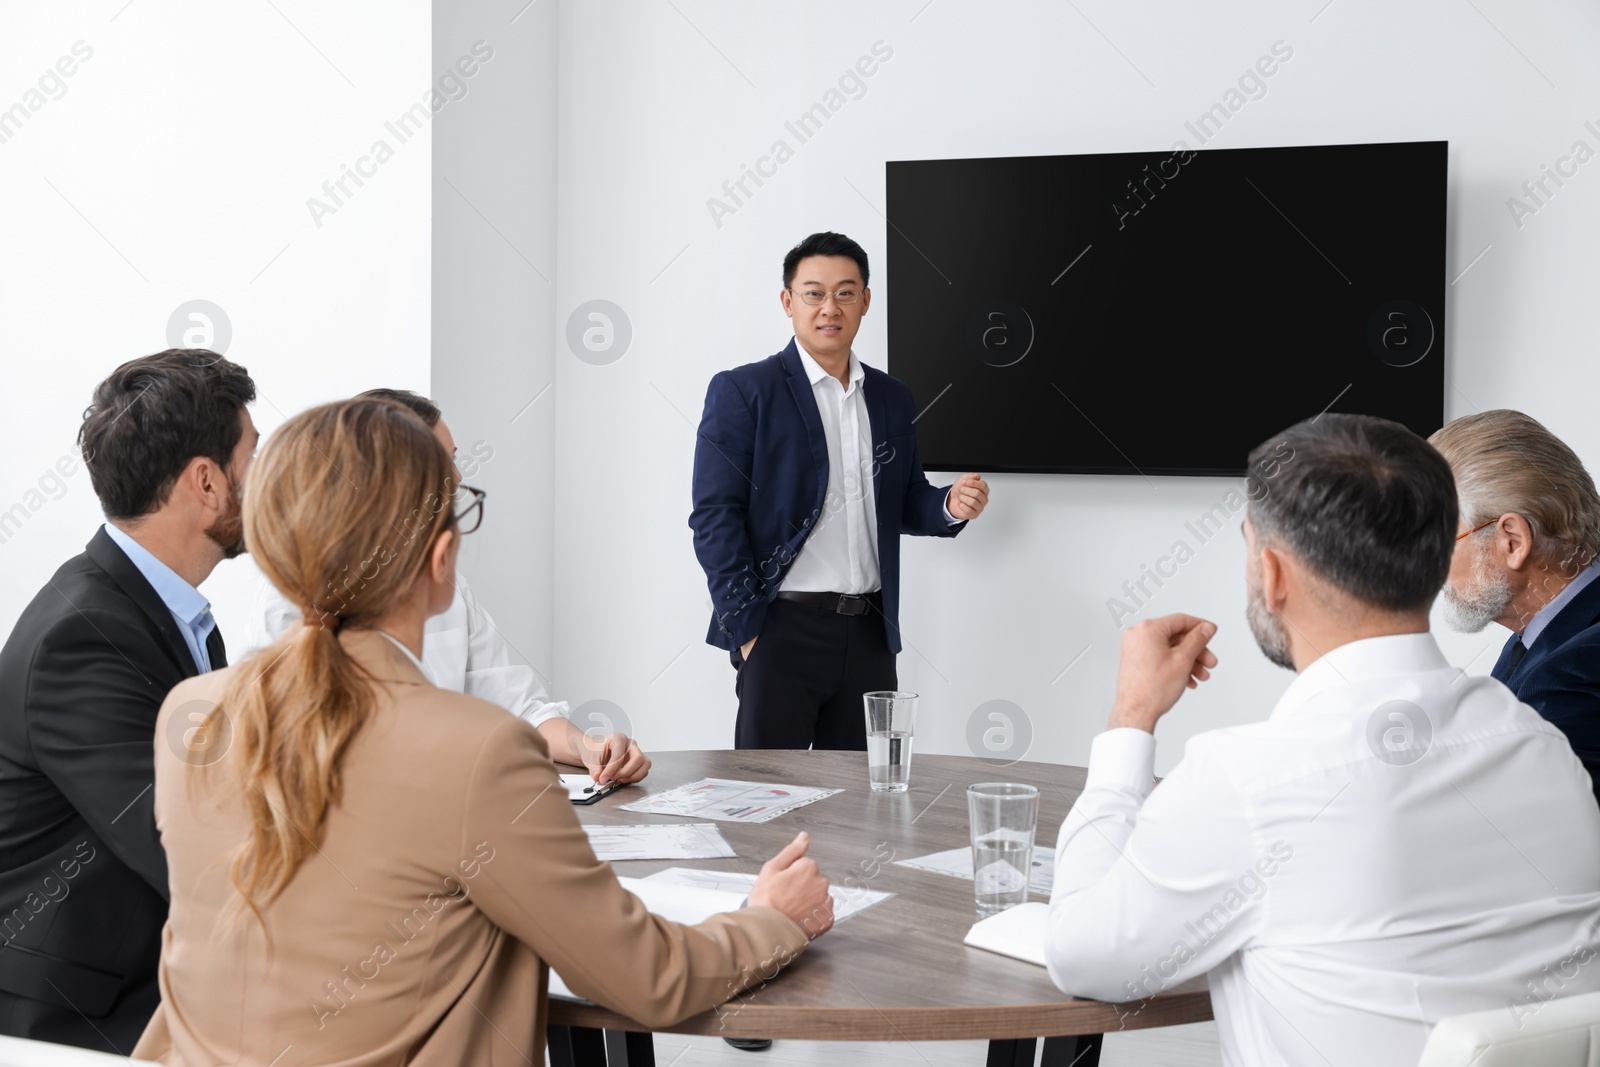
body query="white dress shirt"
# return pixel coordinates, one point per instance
(840, 555)
(461, 650)
(1341, 903)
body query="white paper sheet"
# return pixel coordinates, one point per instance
(729, 801)
(957, 863)
(1018, 932)
(847, 900)
(681, 841)
(680, 903)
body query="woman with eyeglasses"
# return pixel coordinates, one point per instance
(462, 648)
(368, 869)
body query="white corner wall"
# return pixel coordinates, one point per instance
(576, 165)
(494, 270)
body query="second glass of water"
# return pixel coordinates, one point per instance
(1004, 816)
(890, 720)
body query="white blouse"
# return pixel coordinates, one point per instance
(461, 650)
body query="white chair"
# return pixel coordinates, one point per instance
(1557, 1033)
(18, 1052)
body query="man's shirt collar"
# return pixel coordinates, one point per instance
(1358, 661)
(1545, 615)
(182, 599)
(814, 370)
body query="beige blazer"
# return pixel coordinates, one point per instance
(450, 876)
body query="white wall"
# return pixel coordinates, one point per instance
(176, 166)
(494, 300)
(178, 162)
(661, 104)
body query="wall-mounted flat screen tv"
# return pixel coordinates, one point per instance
(1163, 312)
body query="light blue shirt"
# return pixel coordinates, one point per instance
(1542, 617)
(188, 607)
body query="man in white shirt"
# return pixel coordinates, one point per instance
(1396, 843)
(463, 650)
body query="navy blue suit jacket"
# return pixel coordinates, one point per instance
(761, 481)
(1560, 676)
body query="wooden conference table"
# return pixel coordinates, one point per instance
(897, 971)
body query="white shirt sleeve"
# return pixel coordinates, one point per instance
(270, 619)
(491, 674)
(1152, 887)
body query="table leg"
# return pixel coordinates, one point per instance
(625, 1048)
(1011, 1052)
(1082, 1050)
(575, 1046)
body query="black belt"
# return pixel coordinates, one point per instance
(843, 603)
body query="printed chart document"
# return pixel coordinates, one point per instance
(729, 801)
(957, 863)
(847, 901)
(682, 841)
(680, 903)
(1018, 932)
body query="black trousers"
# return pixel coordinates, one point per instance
(802, 685)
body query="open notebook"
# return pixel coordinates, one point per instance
(1018, 932)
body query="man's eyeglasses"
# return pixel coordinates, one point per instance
(1475, 529)
(469, 514)
(816, 297)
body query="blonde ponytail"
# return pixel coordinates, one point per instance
(363, 482)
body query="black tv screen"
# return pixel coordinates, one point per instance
(1163, 312)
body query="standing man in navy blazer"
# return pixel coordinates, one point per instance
(1526, 558)
(805, 476)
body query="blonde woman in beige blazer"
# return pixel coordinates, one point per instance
(366, 869)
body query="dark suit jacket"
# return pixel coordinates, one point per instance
(761, 479)
(83, 879)
(1560, 676)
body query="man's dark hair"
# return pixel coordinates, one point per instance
(155, 414)
(1363, 502)
(425, 409)
(824, 244)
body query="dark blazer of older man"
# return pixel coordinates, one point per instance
(1559, 674)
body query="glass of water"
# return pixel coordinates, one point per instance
(1004, 816)
(890, 718)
